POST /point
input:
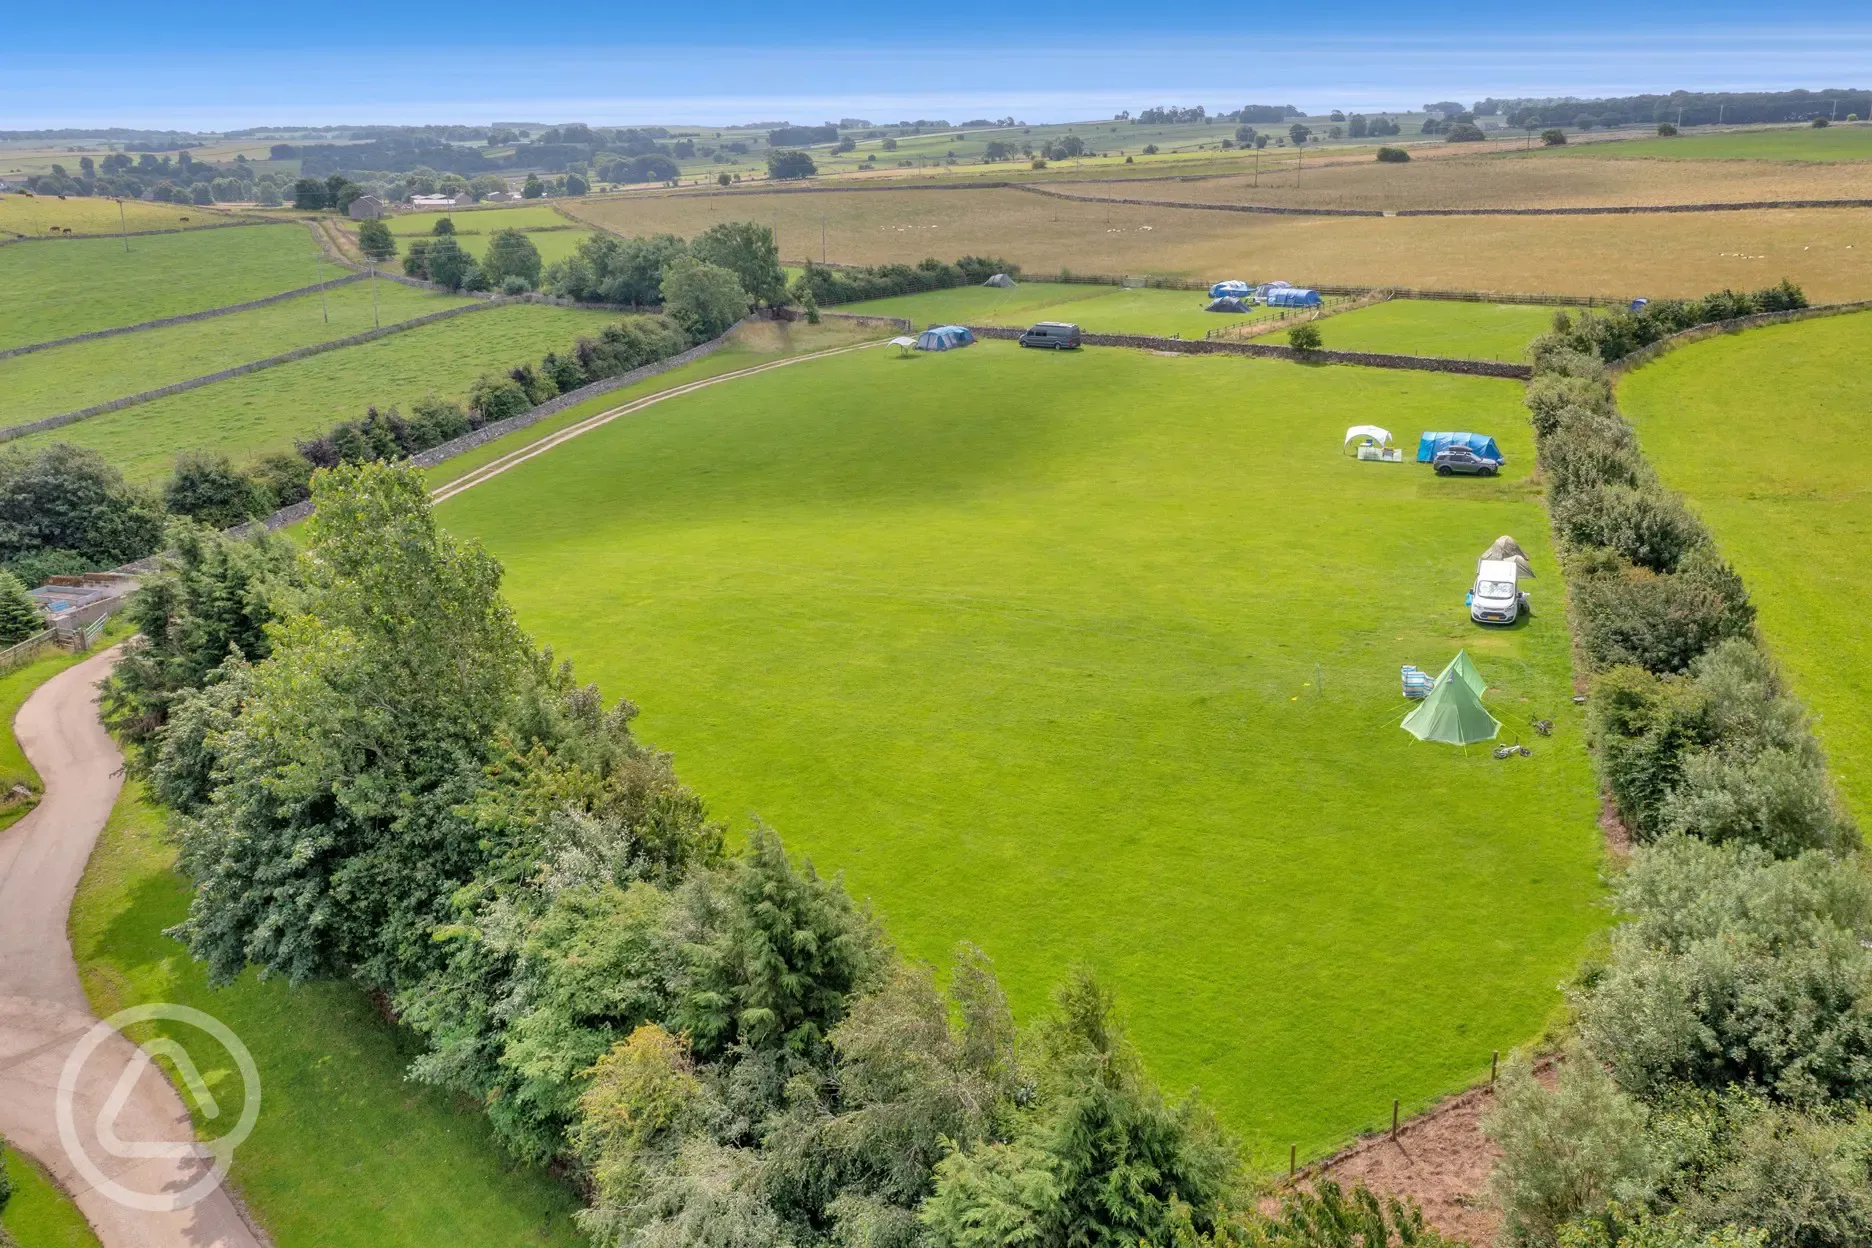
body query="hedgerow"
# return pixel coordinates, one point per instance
(851, 285)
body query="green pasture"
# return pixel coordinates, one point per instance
(1469, 331)
(55, 290)
(479, 220)
(1094, 656)
(1834, 143)
(265, 411)
(347, 1153)
(1095, 309)
(40, 1215)
(1765, 432)
(64, 379)
(34, 215)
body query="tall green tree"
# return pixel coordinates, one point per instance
(749, 252)
(705, 299)
(335, 838)
(20, 616)
(511, 254)
(208, 488)
(376, 240)
(68, 498)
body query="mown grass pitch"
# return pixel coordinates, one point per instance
(55, 290)
(266, 410)
(347, 1153)
(1469, 331)
(1095, 656)
(1765, 432)
(64, 379)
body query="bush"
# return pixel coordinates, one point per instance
(1304, 337)
(1666, 130)
(69, 504)
(1393, 155)
(208, 488)
(375, 239)
(1565, 1152)
(1464, 132)
(1643, 524)
(1737, 969)
(1553, 138)
(783, 166)
(1660, 622)
(849, 285)
(1821, 123)
(497, 398)
(511, 255)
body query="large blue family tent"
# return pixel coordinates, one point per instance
(1230, 290)
(1293, 297)
(1430, 443)
(943, 337)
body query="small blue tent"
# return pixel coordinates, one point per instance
(1230, 290)
(943, 337)
(1293, 297)
(1430, 443)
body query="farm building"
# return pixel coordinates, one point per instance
(365, 208)
(441, 201)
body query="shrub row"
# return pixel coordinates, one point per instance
(850, 285)
(1615, 335)
(1719, 1094)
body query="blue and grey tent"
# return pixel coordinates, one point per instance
(1231, 290)
(1226, 303)
(1293, 297)
(943, 337)
(1430, 443)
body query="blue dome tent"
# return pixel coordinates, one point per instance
(944, 337)
(1231, 290)
(1293, 297)
(1430, 443)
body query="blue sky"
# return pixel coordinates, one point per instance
(225, 65)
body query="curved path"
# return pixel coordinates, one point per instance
(43, 1012)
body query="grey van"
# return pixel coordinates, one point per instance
(1056, 334)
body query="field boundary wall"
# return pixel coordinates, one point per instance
(1735, 325)
(178, 229)
(207, 379)
(1264, 209)
(1212, 346)
(183, 319)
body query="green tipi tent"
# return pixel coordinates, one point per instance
(1452, 714)
(1465, 669)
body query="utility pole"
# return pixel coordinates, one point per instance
(822, 233)
(320, 269)
(375, 323)
(123, 228)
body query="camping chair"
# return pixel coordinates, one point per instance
(1417, 684)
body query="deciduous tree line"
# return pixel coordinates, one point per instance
(1720, 1089)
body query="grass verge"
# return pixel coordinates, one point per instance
(346, 1153)
(15, 687)
(40, 1215)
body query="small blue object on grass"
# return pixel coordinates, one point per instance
(1417, 684)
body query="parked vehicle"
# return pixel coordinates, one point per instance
(1457, 461)
(1497, 597)
(1055, 334)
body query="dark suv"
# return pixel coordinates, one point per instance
(1056, 334)
(1461, 461)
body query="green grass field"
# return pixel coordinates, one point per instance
(264, 411)
(479, 220)
(1838, 142)
(55, 290)
(1470, 331)
(1095, 656)
(42, 214)
(346, 1153)
(1095, 309)
(40, 1215)
(67, 378)
(1765, 432)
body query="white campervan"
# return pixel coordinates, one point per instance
(1497, 597)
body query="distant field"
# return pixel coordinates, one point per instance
(1024, 643)
(1507, 177)
(264, 411)
(1470, 331)
(1765, 431)
(1829, 252)
(39, 214)
(1096, 309)
(1834, 143)
(64, 379)
(478, 220)
(55, 290)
